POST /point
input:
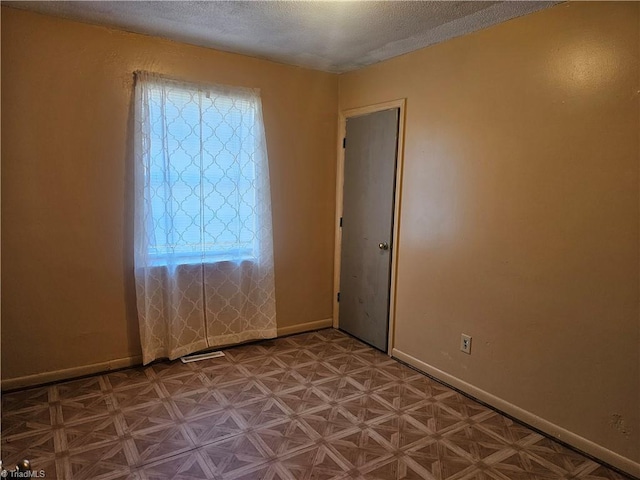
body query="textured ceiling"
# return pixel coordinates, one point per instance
(335, 36)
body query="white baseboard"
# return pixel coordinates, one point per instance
(67, 373)
(556, 431)
(305, 327)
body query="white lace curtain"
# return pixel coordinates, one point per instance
(203, 246)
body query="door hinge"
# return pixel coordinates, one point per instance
(340, 222)
(338, 296)
(344, 142)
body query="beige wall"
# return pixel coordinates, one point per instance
(68, 296)
(519, 222)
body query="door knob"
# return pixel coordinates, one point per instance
(383, 246)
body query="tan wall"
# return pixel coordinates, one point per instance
(519, 222)
(67, 278)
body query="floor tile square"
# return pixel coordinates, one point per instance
(196, 404)
(90, 431)
(235, 456)
(317, 462)
(127, 378)
(25, 399)
(214, 426)
(84, 387)
(261, 413)
(361, 447)
(286, 437)
(189, 465)
(36, 447)
(25, 420)
(328, 422)
(156, 444)
(137, 394)
(149, 416)
(107, 460)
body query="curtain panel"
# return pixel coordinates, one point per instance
(203, 242)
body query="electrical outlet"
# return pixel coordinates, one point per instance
(465, 344)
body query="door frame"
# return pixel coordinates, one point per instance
(342, 130)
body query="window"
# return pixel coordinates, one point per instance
(203, 244)
(204, 148)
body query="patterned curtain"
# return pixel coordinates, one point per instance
(203, 245)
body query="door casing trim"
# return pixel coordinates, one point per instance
(342, 130)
